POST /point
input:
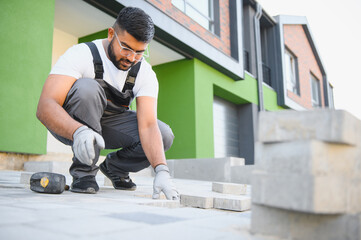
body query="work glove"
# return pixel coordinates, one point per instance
(84, 144)
(163, 183)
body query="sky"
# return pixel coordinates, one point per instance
(336, 29)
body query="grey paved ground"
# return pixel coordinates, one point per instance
(112, 214)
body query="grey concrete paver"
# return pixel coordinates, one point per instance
(235, 203)
(305, 193)
(21, 231)
(81, 226)
(229, 188)
(174, 231)
(336, 126)
(196, 201)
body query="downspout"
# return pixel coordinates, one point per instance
(257, 31)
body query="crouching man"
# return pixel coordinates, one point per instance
(85, 103)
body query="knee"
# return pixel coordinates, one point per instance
(88, 90)
(167, 135)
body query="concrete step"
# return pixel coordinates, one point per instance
(310, 157)
(287, 224)
(206, 169)
(48, 166)
(327, 125)
(303, 193)
(242, 174)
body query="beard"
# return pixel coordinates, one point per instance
(122, 63)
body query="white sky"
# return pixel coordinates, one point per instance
(336, 29)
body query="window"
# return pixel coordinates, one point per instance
(291, 72)
(330, 96)
(201, 11)
(315, 91)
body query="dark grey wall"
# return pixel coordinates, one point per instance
(270, 53)
(249, 42)
(248, 127)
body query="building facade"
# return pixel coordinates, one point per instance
(217, 62)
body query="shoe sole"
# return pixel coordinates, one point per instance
(89, 190)
(119, 188)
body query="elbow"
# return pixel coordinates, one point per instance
(38, 115)
(39, 112)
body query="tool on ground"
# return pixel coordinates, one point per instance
(45, 182)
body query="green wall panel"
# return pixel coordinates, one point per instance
(187, 88)
(210, 82)
(176, 105)
(270, 99)
(91, 37)
(25, 61)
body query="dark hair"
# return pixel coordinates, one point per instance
(136, 22)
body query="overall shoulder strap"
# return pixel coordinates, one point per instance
(98, 64)
(132, 75)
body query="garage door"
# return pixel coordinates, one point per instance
(225, 128)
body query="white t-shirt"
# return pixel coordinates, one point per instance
(77, 62)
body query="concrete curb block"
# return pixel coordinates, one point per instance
(336, 126)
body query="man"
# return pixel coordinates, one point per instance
(85, 104)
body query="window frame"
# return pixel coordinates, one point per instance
(213, 18)
(294, 70)
(315, 102)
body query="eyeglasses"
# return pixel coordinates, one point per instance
(126, 52)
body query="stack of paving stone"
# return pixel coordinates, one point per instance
(307, 182)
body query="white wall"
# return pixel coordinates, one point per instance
(61, 42)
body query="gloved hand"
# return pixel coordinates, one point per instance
(163, 183)
(85, 141)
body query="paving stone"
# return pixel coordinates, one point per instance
(107, 182)
(336, 126)
(288, 224)
(148, 218)
(308, 157)
(25, 177)
(354, 196)
(174, 231)
(229, 188)
(305, 193)
(242, 174)
(15, 215)
(226, 223)
(270, 221)
(12, 232)
(48, 166)
(196, 201)
(207, 169)
(234, 204)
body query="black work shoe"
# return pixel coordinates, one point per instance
(85, 184)
(123, 183)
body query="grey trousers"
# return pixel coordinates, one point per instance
(86, 103)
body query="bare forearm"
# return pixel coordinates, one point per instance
(152, 144)
(55, 118)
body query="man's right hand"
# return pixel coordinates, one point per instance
(163, 183)
(85, 141)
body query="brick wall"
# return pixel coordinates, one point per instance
(222, 43)
(296, 40)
